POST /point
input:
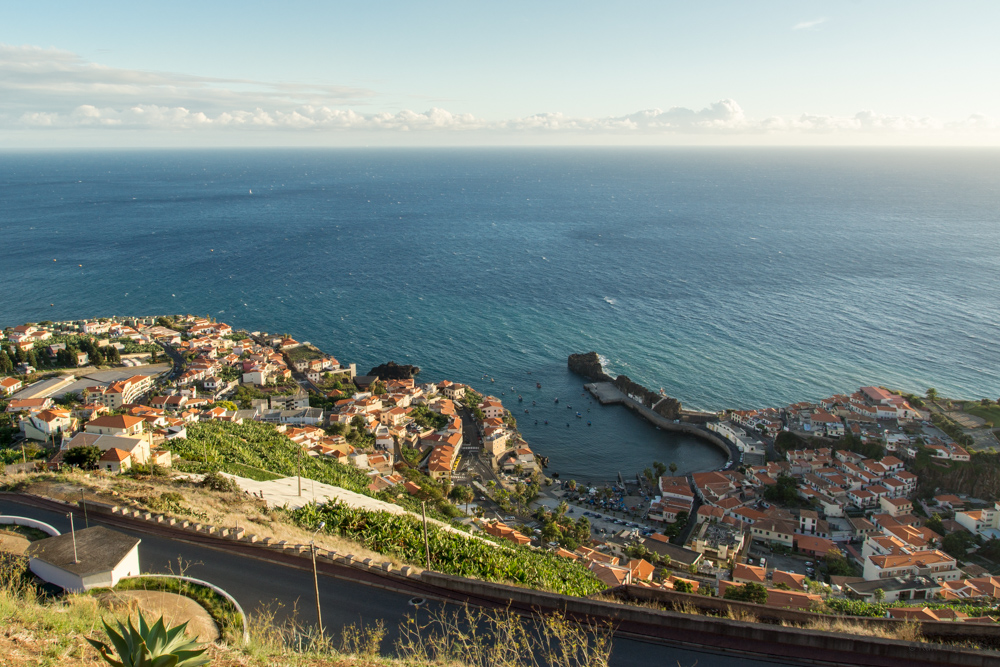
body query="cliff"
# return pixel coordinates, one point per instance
(979, 478)
(589, 366)
(394, 371)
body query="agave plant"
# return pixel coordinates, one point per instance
(156, 646)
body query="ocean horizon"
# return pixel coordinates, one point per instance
(729, 277)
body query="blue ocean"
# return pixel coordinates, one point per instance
(728, 277)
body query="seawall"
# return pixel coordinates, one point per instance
(608, 394)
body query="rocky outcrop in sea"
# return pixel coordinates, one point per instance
(394, 371)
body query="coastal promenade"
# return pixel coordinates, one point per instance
(608, 394)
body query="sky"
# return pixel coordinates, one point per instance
(716, 72)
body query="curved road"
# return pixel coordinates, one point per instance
(287, 589)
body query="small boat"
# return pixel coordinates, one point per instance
(567, 424)
(546, 422)
(525, 411)
(532, 402)
(588, 423)
(579, 416)
(538, 385)
(557, 400)
(519, 398)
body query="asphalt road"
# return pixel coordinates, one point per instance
(288, 591)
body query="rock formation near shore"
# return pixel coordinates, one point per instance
(589, 366)
(394, 371)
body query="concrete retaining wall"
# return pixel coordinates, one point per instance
(989, 634)
(770, 639)
(29, 523)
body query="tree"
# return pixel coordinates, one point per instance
(783, 492)
(660, 468)
(692, 569)
(682, 586)
(113, 356)
(931, 394)
(463, 495)
(673, 467)
(84, 457)
(571, 485)
(749, 592)
(934, 523)
(957, 544)
(879, 595)
(6, 365)
(650, 477)
(837, 565)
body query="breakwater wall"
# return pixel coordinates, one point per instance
(662, 411)
(609, 394)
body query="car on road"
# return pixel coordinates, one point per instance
(810, 570)
(508, 518)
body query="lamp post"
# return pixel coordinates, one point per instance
(72, 531)
(312, 550)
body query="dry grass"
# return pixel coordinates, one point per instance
(906, 632)
(481, 638)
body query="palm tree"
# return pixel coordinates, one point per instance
(932, 394)
(673, 467)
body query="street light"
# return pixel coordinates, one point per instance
(312, 550)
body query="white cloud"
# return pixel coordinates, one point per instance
(32, 79)
(46, 90)
(806, 25)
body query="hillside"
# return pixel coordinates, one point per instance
(979, 478)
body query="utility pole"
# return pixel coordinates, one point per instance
(300, 472)
(83, 498)
(312, 549)
(427, 546)
(72, 530)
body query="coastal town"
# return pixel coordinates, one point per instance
(820, 503)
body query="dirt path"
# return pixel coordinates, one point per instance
(175, 609)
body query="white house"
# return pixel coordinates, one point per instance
(100, 559)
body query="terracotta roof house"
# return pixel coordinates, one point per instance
(115, 425)
(743, 574)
